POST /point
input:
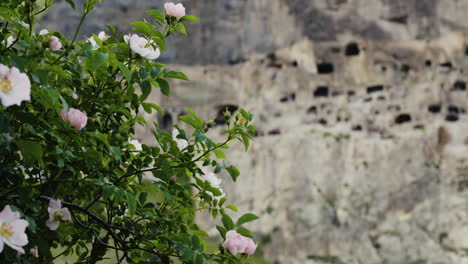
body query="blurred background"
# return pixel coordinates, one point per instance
(360, 106)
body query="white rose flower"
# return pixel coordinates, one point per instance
(212, 179)
(9, 41)
(43, 32)
(12, 230)
(136, 144)
(181, 143)
(102, 36)
(15, 86)
(142, 46)
(214, 182)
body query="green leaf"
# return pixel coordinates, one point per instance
(233, 208)
(40, 76)
(112, 30)
(96, 61)
(97, 182)
(125, 71)
(244, 232)
(131, 203)
(71, 3)
(176, 75)
(201, 233)
(198, 122)
(158, 15)
(142, 197)
(189, 120)
(145, 89)
(246, 141)
(161, 43)
(117, 153)
(32, 224)
(187, 254)
(246, 218)
(18, 61)
(107, 192)
(31, 150)
(49, 99)
(198, 259)
(222, 231)
(227, 222)
(181, 28)
(100, 136)
(221, 202)
(214, 191)
(5, 122)
(142, 27)
(189, 18)
(195, 242)
(219, 154)
(164, 85)
(148, 106)
(233, 171)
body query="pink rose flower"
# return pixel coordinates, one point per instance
(12, 230)
(75, 118)
(237, 243)
(173, 10)
(54, 43)
(57, 214)
(15, 86)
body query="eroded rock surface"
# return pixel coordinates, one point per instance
(361, 148)
(232, 30)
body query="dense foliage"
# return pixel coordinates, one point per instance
(73, 181)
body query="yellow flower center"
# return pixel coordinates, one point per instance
(5, 85)
(6, 230)
(58, 215)
(241, 120)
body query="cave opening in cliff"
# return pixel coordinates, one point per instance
(321, 91)
(403, 118)
(325, 68)
(352, 49)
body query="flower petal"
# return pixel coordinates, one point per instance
(55, 204)
(66, 216)
(19, 236)
(7, 215)
(52, 224)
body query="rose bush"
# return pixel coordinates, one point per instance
(72, 178)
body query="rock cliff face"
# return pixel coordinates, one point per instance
(361, 147)
(360, 106)
(232, 30)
